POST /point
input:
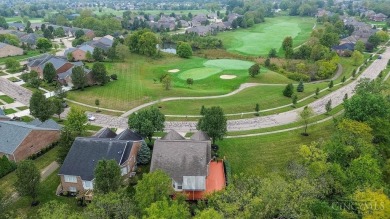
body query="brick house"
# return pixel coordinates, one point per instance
(19, 140)
(80, 53)
(9, 50)
(77, 171)
(188, 162)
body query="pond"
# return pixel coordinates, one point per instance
(168, 48)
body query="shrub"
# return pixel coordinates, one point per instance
(289, 90)
(114, 77)
(228, 171)
(300, 87)
(6, 166)
(298, 76)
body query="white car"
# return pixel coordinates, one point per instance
(91, 118)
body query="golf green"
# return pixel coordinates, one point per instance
(261, 38)
(230, 64)
(199, 73)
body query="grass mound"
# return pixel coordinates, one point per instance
(231, 64)
(199, 73)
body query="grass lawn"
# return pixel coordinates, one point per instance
(138, 82)
(21, 57)
(261, 155)
(13, 79)
(9, 111)
(6, 99)
(21, 108)
(266, 96)
(199, 73)
(261, 38)
(231, 64)
(2, 73)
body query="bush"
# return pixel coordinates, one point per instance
(298, 77)
(6, 166)
(114, 77)
(289, 90)
(300, 87)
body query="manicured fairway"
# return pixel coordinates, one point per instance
(232, 64)
(261, 38)
(199, 73)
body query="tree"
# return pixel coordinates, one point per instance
(184, 50)
(213, 123)
(147, 44)
(257, 109)
(65, 142)
(49, 72)
(97, 103)
(289, 90)
(60, 92)
(343, 79)
(208, 213)
(328, 106)
(345, 97)
(287, 43)
(330, 84)
(79, 33)
(383, 35)
(27, 179)
(58, 107)
(40, 107)
(111, 205)
(76, 121)
(272, 53)
(153, 187)
(88, 56)
(190, 81)
(144, 155)
(167, 82)
(111, 54)
(356, 107)
(97, 54)
(364, 172)
(300, 87)
(360, 46)
(294, 100)
(305, 115)
(317, 92)
(374, 40)
(99, 73)
(372, 204)
(147, 121)
(12, 64)
(329, 39)
(47, 34)
(254, 70)
(168, 209)
(357, 58)
(107, 176)
(3, 23)
(267, 62)
(55, 209)
(44, 44)
(79, 78)
(59, 32)
(121, 51)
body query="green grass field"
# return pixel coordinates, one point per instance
(261, 38)
(231, 64)
(6, 99)
(138, 82)
(262, 155)
(199, 73)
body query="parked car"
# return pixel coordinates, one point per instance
(91, 118)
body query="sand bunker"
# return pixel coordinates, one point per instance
(174, 71)
(227, 77)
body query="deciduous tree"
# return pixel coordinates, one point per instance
(40, 107)
(254, 70)
(214, 123)
(305, 115)
(76, 121)
(79, 78)
(44, 44)
(184, 50)
(107, 176)
(168, 209)
(147, 121)
(99, 73)
(357, 58)
(27, 179)
(49, 72)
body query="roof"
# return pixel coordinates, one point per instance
(200, 136)
(172, 135)
(57, 62)
(50, 124)
(179, 158)
(105, 133)
(13, 133)
(86, 48)
(2, 113)
(129, 135)
(85, 153)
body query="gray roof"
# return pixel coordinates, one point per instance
(50, 124)
(105, 133)
(13, 133)
(172, 135)
(57, 62)
(200, 136)
(129, 135)
(85, 153)
(181, 158)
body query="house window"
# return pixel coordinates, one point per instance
(72, 189)
(179, 187)
(70, 179)
(124, 171)
(87, 184)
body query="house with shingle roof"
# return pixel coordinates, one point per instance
(19, 140)
(7, 50)
(189, 163)
(77, 171)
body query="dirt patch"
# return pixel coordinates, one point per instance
(227, 77)
(174, 70)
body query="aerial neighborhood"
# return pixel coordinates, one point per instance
(194, 109)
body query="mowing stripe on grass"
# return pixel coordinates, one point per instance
(199, 73)
(230, 64)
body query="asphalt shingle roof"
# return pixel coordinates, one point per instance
(50, 124)
(129, 135)
(13, 133)
(85, 153)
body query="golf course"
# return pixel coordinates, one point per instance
(261, 38)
